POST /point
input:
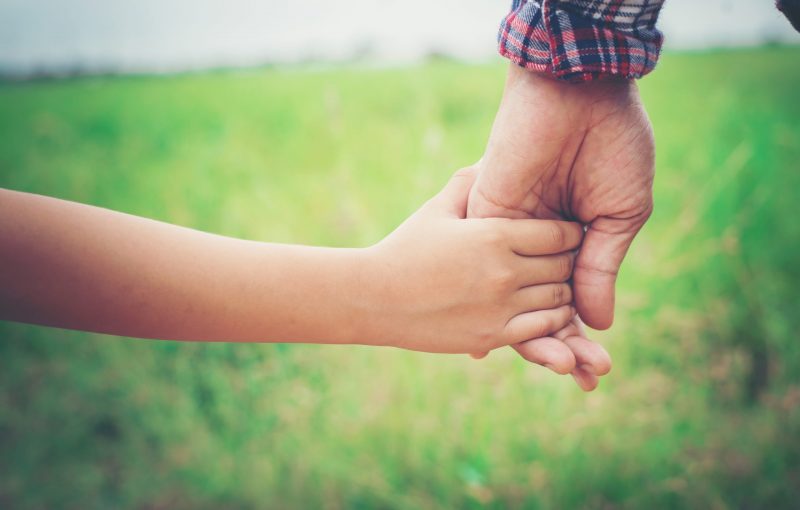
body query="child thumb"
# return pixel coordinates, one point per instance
(452, 200)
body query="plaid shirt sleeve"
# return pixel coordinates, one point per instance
(583, 40)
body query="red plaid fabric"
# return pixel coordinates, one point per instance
(582, 40)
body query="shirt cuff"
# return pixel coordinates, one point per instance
(583, 40)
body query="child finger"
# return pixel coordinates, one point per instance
(543, 237)
(548, 352)
(542, 297)
(571, 329)
(537, 324)
(453, 197)
(545, 269)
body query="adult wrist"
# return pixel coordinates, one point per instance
(543, 92)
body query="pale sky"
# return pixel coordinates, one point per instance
(165, 35)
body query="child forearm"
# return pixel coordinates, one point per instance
(75, 266)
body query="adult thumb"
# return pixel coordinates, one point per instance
(604, 247)
(452, 200)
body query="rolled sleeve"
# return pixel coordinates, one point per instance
(583, 40)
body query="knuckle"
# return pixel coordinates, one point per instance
(493, 234)
(485, 237)
(554, 321)
(557, 233)
(538, 326)
(498, 223)
(541, 327)
(565, 266)
(558, 294)
(503, 278)
(567, 293)
(486, 340)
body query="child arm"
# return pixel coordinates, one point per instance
(81, 267)
(439, 283)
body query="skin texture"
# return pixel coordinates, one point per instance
(439, 283)
(575, 152)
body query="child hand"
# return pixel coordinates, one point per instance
(446, 284)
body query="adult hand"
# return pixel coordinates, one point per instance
(579, 152)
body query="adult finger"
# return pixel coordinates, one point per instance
(585, 380)
(589, 355)
(604, 247)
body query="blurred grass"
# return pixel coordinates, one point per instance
(702, 409)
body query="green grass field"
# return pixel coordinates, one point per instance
(702, 409)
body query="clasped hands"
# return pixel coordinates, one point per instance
(510, 253)
(581, 153)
